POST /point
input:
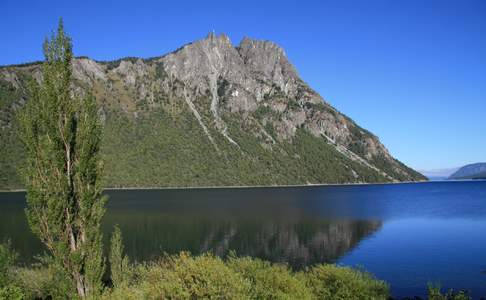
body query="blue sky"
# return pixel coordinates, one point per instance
(412, 72)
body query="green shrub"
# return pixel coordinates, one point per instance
(185, 277)
(119, 263)
(209, 277)
(270, 281)
(34, 282)
(435, 293)
(43, 280)
(126, 293)
(7, 259)
(333, 282)
(11, 292)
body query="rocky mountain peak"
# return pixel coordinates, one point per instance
(248, 101)
(221, 38)
(268, 59)
(215, 56)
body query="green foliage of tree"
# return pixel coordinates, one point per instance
(61, 134)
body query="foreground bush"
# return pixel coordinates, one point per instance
(333, 282)
(7, 259)
(8, 290)
(270, 281)
(209, 277)
(186, 277)
(42, 282)
(11, 292)
(435, 293)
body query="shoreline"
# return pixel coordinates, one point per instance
(266, 186)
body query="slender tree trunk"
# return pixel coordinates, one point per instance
(80, 285)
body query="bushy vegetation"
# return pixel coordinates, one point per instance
(184, 276)
(8, 289)
(435, 293)
(270, 281)
(120, 268)
(332, 282)
(206, 276)
(7, 259)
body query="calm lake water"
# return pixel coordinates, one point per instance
(406, 234)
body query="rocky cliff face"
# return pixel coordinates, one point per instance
(234, 97)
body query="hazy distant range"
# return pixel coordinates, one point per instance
(439, 174)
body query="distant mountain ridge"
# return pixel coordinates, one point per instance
(438, 174)
(210, 114)
(471, 171)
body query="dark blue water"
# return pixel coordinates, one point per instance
(406, 234)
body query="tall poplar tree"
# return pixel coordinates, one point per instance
(61, 133)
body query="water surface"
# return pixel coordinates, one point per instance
(406, 234)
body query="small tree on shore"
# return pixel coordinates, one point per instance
(120, 265)
(61, 133)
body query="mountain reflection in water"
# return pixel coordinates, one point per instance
(272, 224)
(298, 242)
(280, 225)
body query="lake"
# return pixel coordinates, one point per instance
(406, 234)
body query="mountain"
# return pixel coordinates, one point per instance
(209, 114)
(471, 171)
(438, 174)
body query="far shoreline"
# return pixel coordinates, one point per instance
(267, 186)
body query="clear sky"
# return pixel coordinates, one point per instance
(413, 72)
